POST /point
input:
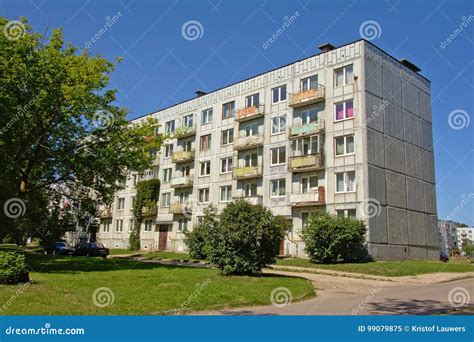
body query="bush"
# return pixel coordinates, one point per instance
(245, 239)
(13, 268)
(196, 239)
(331, 239)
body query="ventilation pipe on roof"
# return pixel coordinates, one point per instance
(410, 65)
(326, 47)
(200, 93)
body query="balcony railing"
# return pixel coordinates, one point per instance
(297, 131)
(182, 182)
(307, 97)
(185, 131)
(182, 156)
(247, 172)
(106, 212)
(180, 208)
(257, 199)
(315, 197)
(246, 143)
(249, 113)
(306, 163)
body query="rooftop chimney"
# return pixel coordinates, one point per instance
(200, 93)
(326, 47)
(410, 65)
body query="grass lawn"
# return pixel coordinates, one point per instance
(167, 255)
(64, 285)
(386, 268)
(119, 251)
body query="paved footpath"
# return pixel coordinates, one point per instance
(337, 295)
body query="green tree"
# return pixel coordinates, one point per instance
(64, 145)
(197, 239)
(331, 239)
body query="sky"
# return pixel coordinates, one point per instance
(170, 49)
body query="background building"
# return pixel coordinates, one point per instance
(463, 234)
(447, 235)
(347, 131)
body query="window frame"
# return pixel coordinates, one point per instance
(206, 116)
(229, 138)
(225, 110)
(207, 168)
(117, 226)
(120, 200)
(278, 181)
(279, 125)
(346, 182)
(225, 160)
(345, 153)
(209, 137)
(166, 204)
(206, 193)
(279, 88)
(344, 75)
(166, 171)
(278, 149)
(228, 193)
(344, 110)
(168, 151)
(168, 129)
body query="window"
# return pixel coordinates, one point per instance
(188, 120)
(340, 213)
(226, 165)
(344, 145)
(250, 130)
(185, 170)
(250, 189)
(351, 213)
(228, 110)
(309, 83)
(343, 76)
(133, 203)
(306, 146)
(120, 203)
(344, 110)
(205, 168)
(107, 225)
(167, 175)
(168, 151)
(205, 142)
(345, 181)
(226, 193)
(169, 127)
(227, 136)
(308, 184)
(206, 116)
(308, 116)
(278, 187)
(134, 180)
(279, 124)
(251, 159)
(118, 225)
(252, 100)
(148, 225)
(278, 155)
(203, 195)
(182, 224)
(304, 219)
(279, 94)
(165, 199)
(131, 225)
(187, 145)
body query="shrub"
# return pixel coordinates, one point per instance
(245, 239)
(331, 239)
(197, 239)
(13, 268)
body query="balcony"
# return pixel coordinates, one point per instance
(106, 213)
(180, 208)
(298, 131)
(306, 163)
(182, 156)
(247, 143)
(249, 113)
(182, 182)
(312, 198)
(257, 199)
(149, 211)
(185, 131)
(247, 172)
(307, 97)
(156, 160)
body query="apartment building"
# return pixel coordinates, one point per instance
(464, 235)
(347, 131)
(447, 235)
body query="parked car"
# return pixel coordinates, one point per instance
(443, 257)
(58, 247)
(91, 249)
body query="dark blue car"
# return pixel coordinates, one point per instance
(59, 247)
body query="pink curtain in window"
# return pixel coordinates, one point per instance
(349, 109)
(339, 111)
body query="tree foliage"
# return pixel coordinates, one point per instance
(243, 239)
(196, 239)
(64, 145)
(331, 239)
